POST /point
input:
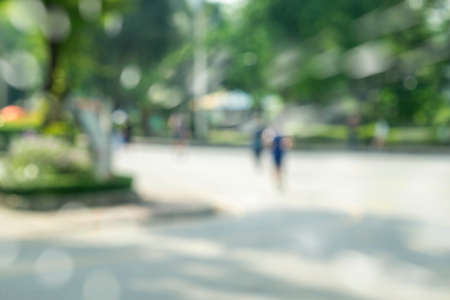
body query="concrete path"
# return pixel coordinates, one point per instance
(347, 226)
(355, 183)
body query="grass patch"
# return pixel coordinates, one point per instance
(339, 134)
(417, 135)
(228, 137)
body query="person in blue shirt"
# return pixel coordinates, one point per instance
(279, 145)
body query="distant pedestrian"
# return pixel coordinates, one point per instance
(279, 145)
(128, 131)
(353, 122)
(381, 134)
(120, 122)
(258, 144)
(178, 125)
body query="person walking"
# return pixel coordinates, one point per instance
(258, 144)
(178, 125)
(279, 145)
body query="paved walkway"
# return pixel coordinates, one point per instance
(348, 226)
(413, 185)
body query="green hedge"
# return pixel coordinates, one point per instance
(67, 184)
(339, 134)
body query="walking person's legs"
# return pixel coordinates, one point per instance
(257, 152)
(278, 162)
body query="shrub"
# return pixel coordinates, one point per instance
(36, 158)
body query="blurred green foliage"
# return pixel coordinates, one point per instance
(298, 50)
(36, 164)
(47, 155)
(39, 160)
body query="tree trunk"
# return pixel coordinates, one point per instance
(55, 90)
(95, 118)
(55, 94)
(53, 51)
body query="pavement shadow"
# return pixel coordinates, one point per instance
(158, 211)
(260, 256)
(140, 273)
(325, 237)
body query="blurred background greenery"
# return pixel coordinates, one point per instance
(323, 70)
(384, 59)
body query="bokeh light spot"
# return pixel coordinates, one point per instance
(54, 267)
(130, 77)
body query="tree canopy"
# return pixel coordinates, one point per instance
(389, 58)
